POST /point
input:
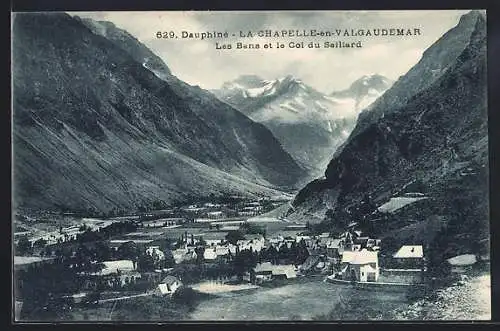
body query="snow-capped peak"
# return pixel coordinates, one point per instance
(365, 90)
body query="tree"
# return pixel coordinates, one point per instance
(128, 250)
(145, 262)
(40, 243)
(186, 296)
(234, 235)
(200, 251)
(302, 252)
(249, 228)
(244, 261)
(24, 246)
(329, 214)
(202, 242)
(102, 251)
(389, 245)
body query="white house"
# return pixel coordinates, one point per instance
(221, 250)
(255, 244)
(183, 254)
(156, 253)
(361, 266)
(114, 267)
(212, 242)
(210, 253)
(299, 238)
(168, 286)
(215, 214)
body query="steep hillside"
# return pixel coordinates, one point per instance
(130, 44)
(309, 124)
(435, 145)
(94, 128)
(433, 63)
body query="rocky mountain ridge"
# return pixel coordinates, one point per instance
(96, 128)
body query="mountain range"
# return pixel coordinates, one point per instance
(309, 124)
(100, 123)
(425, 142)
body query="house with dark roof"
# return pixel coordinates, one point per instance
(335, 248)
(409, 257)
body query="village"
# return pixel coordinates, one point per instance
(210, 248)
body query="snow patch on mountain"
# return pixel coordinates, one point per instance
(309, 124)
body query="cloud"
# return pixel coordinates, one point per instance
(199, 63)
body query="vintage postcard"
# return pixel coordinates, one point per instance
(250, 166)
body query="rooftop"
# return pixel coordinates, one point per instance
(360, 257)
(462, 260)
(111, 267)
(169, 280)
(409, 251)
(22, 260)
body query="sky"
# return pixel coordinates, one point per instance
(198, 62)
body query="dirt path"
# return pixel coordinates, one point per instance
(126, 297)
(469, 299)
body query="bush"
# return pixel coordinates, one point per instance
(186, 296)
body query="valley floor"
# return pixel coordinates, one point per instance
(468, 299)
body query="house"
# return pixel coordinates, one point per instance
(183, 254)
(25, 262)
(168, 286)
(263, 276)
(356, 247)
(210, 254)
(212, 242)
(114, 273)
(335, 247)
(371, 243)
(116, 267)
(159, 223)
(254, 244)
(284, 271)
(276, 240)
(266, 271)
(361, 266)
(221, 251)
(363, 241)
(156, 253)
(299, 238)
(409, 257)
(215, 214)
